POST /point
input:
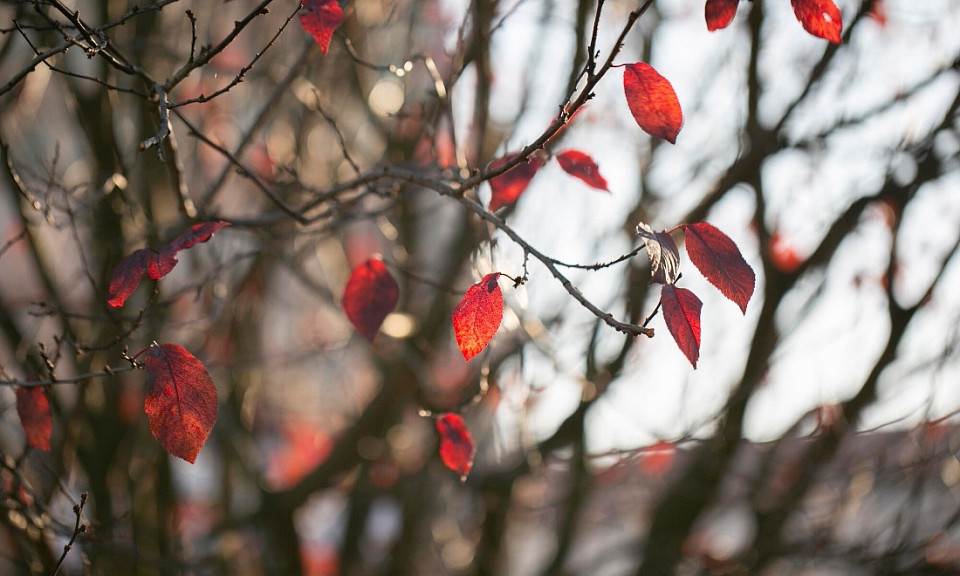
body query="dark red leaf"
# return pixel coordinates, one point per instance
(477, 317)
(162, 263)
(821, 18)
(681, 312)
(320, 18)
(652, 101)
(581, 165)
(663, 254)
(456, 445)
(720, 262)
(126, 276)
(34, 410)
(181, 402)
(720, 13)
(370, 295)
(508, 186)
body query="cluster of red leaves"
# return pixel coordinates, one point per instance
(716, 257)
(155, 264)
(821, 18)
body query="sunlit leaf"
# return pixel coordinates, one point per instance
(34, 411)
(720, 262)
(663, 254)
(477, 317)
(719, 13)
(456, 445)
(181, 402)
(821, 18)
(320, 18)
(507, 187)
(681, 312)
(126, 277)
(370, 295)
(582, 166)
(162, 263)
(652, 101)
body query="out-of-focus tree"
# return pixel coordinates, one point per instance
(395, 288)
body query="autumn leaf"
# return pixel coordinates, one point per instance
(456, 445)
(720, 261)
(652, 101)
(320, 18)
(720, 13)
(181, 402)
(663, 254)
(657, 459)
(821, 18)
(582, 166)
(370, 295)
(34, 411)
(162, 263)
(878, 12)
(681, 312)
(507, 187)
(477, 317)
(126, 276)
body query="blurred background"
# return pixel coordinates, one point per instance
(817, 434)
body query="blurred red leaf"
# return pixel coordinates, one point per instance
(320, 18)
(582, 166)
(126, 276)
(821, 18)
(720, 13)
(663, 254)
(370, 295)
(879, 13)
(456, 445)
(508, 186)
(784, 256)
(181, 402)
(162, 263)
(34, 410)
(720, 262)
(477, 317)
(681, 312)
(652, 101)
(657, 459)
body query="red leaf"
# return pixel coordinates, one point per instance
(477, 317)
(879, 13)
(456, 445)
(658, 458)
(720, 13)
(652, 101)
(681, 312)
(508, 186)
(181, 402)
(720, 262)
(162, 263)
(663, 254)
(320, 18)
(126, 277)
(582, 166)
(370, 294)
(821, 18)
(34, 410)
(783, 255)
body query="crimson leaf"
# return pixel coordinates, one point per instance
(720, 262)
(652, 101)
(720, 13)
(320, 18)
(507, 187)
(582, 166)
(456, 445)
(477, 317)
(34, 410)
(126, 277)
(821, 18)
(162, 263)
(181, 402)
(663, 254)
(681, 312)
(370, 294)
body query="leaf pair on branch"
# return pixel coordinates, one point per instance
(820, 18)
